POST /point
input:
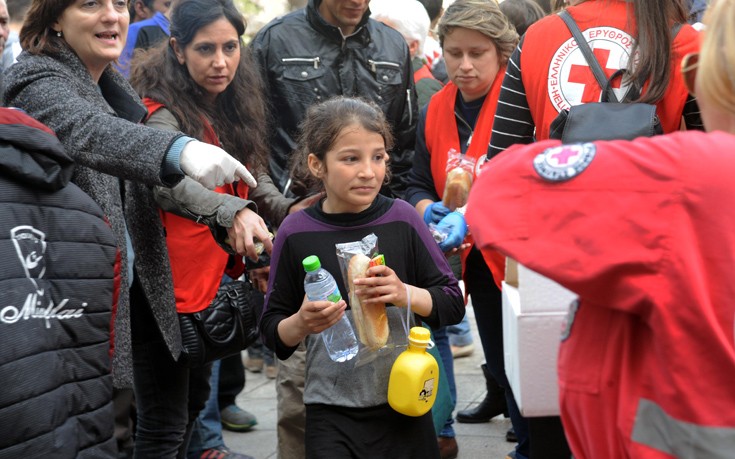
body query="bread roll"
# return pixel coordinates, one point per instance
(457, 188)
(371, 320)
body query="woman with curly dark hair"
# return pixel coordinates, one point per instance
(203, 82)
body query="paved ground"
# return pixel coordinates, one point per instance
(476, 441)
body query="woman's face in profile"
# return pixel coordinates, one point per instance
(96, 30)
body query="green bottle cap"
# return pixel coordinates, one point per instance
(311, 263)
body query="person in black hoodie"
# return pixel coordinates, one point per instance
(60, 277)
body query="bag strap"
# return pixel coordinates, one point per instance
(586, 51)
(604, 82)
(607, 90)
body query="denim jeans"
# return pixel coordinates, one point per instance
(441, 341)
(460, 334)
(169, 396)
(257, 350)
(487, 304)
(207, 429)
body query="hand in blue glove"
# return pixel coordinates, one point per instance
(434, 212)
(455, 225)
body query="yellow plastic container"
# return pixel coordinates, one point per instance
(414, 378)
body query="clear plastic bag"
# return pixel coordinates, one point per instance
(438, 233)
(381, 329)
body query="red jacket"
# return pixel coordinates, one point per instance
(645, 234)
(549, 49)
(197, 262)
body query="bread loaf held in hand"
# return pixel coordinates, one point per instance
(370, 319)
(457, 188)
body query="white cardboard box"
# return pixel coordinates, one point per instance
(534, 309)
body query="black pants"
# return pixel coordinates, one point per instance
(168, 395)
(487, 304)
(231, 380)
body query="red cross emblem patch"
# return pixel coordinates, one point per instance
(570, 79)
(564, 162)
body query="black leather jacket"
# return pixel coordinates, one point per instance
(305, 60)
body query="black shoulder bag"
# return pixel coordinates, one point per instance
(227, 326)
(609, 119)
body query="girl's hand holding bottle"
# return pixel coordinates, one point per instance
(312, 317)
(317, 316)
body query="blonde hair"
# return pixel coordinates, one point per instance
(483, 16)
(716, 71)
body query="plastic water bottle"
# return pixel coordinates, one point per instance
(339, 339)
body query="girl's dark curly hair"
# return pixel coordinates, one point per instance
(238, 114)
(321, 127)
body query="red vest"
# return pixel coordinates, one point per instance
(556, 76)
(442, 133)
(197, 262)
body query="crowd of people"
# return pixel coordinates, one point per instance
(151, 151)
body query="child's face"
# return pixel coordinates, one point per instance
(352, 171)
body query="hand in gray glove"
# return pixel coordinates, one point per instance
(212, 166)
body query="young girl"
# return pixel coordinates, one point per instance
(343, 146)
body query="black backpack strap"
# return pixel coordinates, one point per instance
(607, 90)
(602, 79)
(597, 71)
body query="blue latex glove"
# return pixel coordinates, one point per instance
(455, 225)
(434, 212)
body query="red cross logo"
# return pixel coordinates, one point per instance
(583, 74)
(564, 162)
(563, 156)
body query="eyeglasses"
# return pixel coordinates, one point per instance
(689, 66)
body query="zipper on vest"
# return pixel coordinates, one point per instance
(410, 107)
(304, 60)
(472, 131)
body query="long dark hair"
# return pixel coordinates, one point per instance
(653, 41)
(654, 20)
(238, 114)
